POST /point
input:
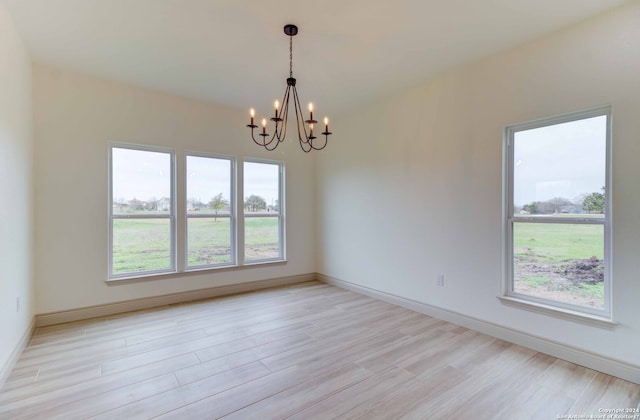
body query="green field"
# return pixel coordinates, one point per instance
(554, 243)
(549, 262)
(144, 244)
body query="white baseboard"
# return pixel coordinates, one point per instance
(151, 302)
(581, 357)
(17, 351)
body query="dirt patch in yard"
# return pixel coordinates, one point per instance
(571, 281)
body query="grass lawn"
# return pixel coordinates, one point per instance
(559, 242)
(144, 244)
(209, 241)
(141, 245)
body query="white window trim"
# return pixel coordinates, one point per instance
(564, 310)
(280, 215)
(232, 214)
(111, 216)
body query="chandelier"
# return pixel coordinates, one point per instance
(280, 118)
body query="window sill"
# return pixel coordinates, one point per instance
(192, 272)
(567, 314)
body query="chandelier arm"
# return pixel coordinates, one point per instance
(275, 132)
(296, 105)
(305, 144)
(285, 110)
(274, 136)
(300, 118)
(306, 147)
(326, 140)
(275, 144)
(264, 140)
(254, 139)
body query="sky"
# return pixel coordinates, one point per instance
(563, 160)
(146, 175)
(207, 177)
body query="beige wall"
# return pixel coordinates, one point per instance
(413, 187)
(16, 190)
(75, 118)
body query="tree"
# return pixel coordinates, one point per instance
(557, 203)
(594, 202)
(120, 203)
(255, 203)
(217, 203)
(578, 200)
(553, 205)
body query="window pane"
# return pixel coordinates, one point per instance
(141, 182)
(261, 187)
(560, 169)
(261, 238)
(562, 262)
(208, 185)
(209, 241)
(141, 245)
(262, 197)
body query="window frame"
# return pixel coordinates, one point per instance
(179, 224)
(232, 212)
(171, 216)
(280, 215)
(509, 219)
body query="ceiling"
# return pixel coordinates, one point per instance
(234, 52)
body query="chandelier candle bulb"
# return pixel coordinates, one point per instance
(264, 126)
(326, 124)
(252, 112)
(310, 111)
(276, 105)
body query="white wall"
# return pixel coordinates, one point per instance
(411, 186)
(75, 118)
(16, 190)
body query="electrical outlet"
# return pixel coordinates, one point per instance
(18, 304)
(440, 280)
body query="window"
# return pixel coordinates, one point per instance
(210, 211)
(557, 213)
(263, 213)
(144, 237)
(141, 211)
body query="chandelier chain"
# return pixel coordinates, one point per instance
(290, 56)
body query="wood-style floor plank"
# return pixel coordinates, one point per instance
(306, 351)
(357, 397)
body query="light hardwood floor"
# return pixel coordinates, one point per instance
(305, 351)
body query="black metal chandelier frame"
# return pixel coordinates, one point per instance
(305, 127)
